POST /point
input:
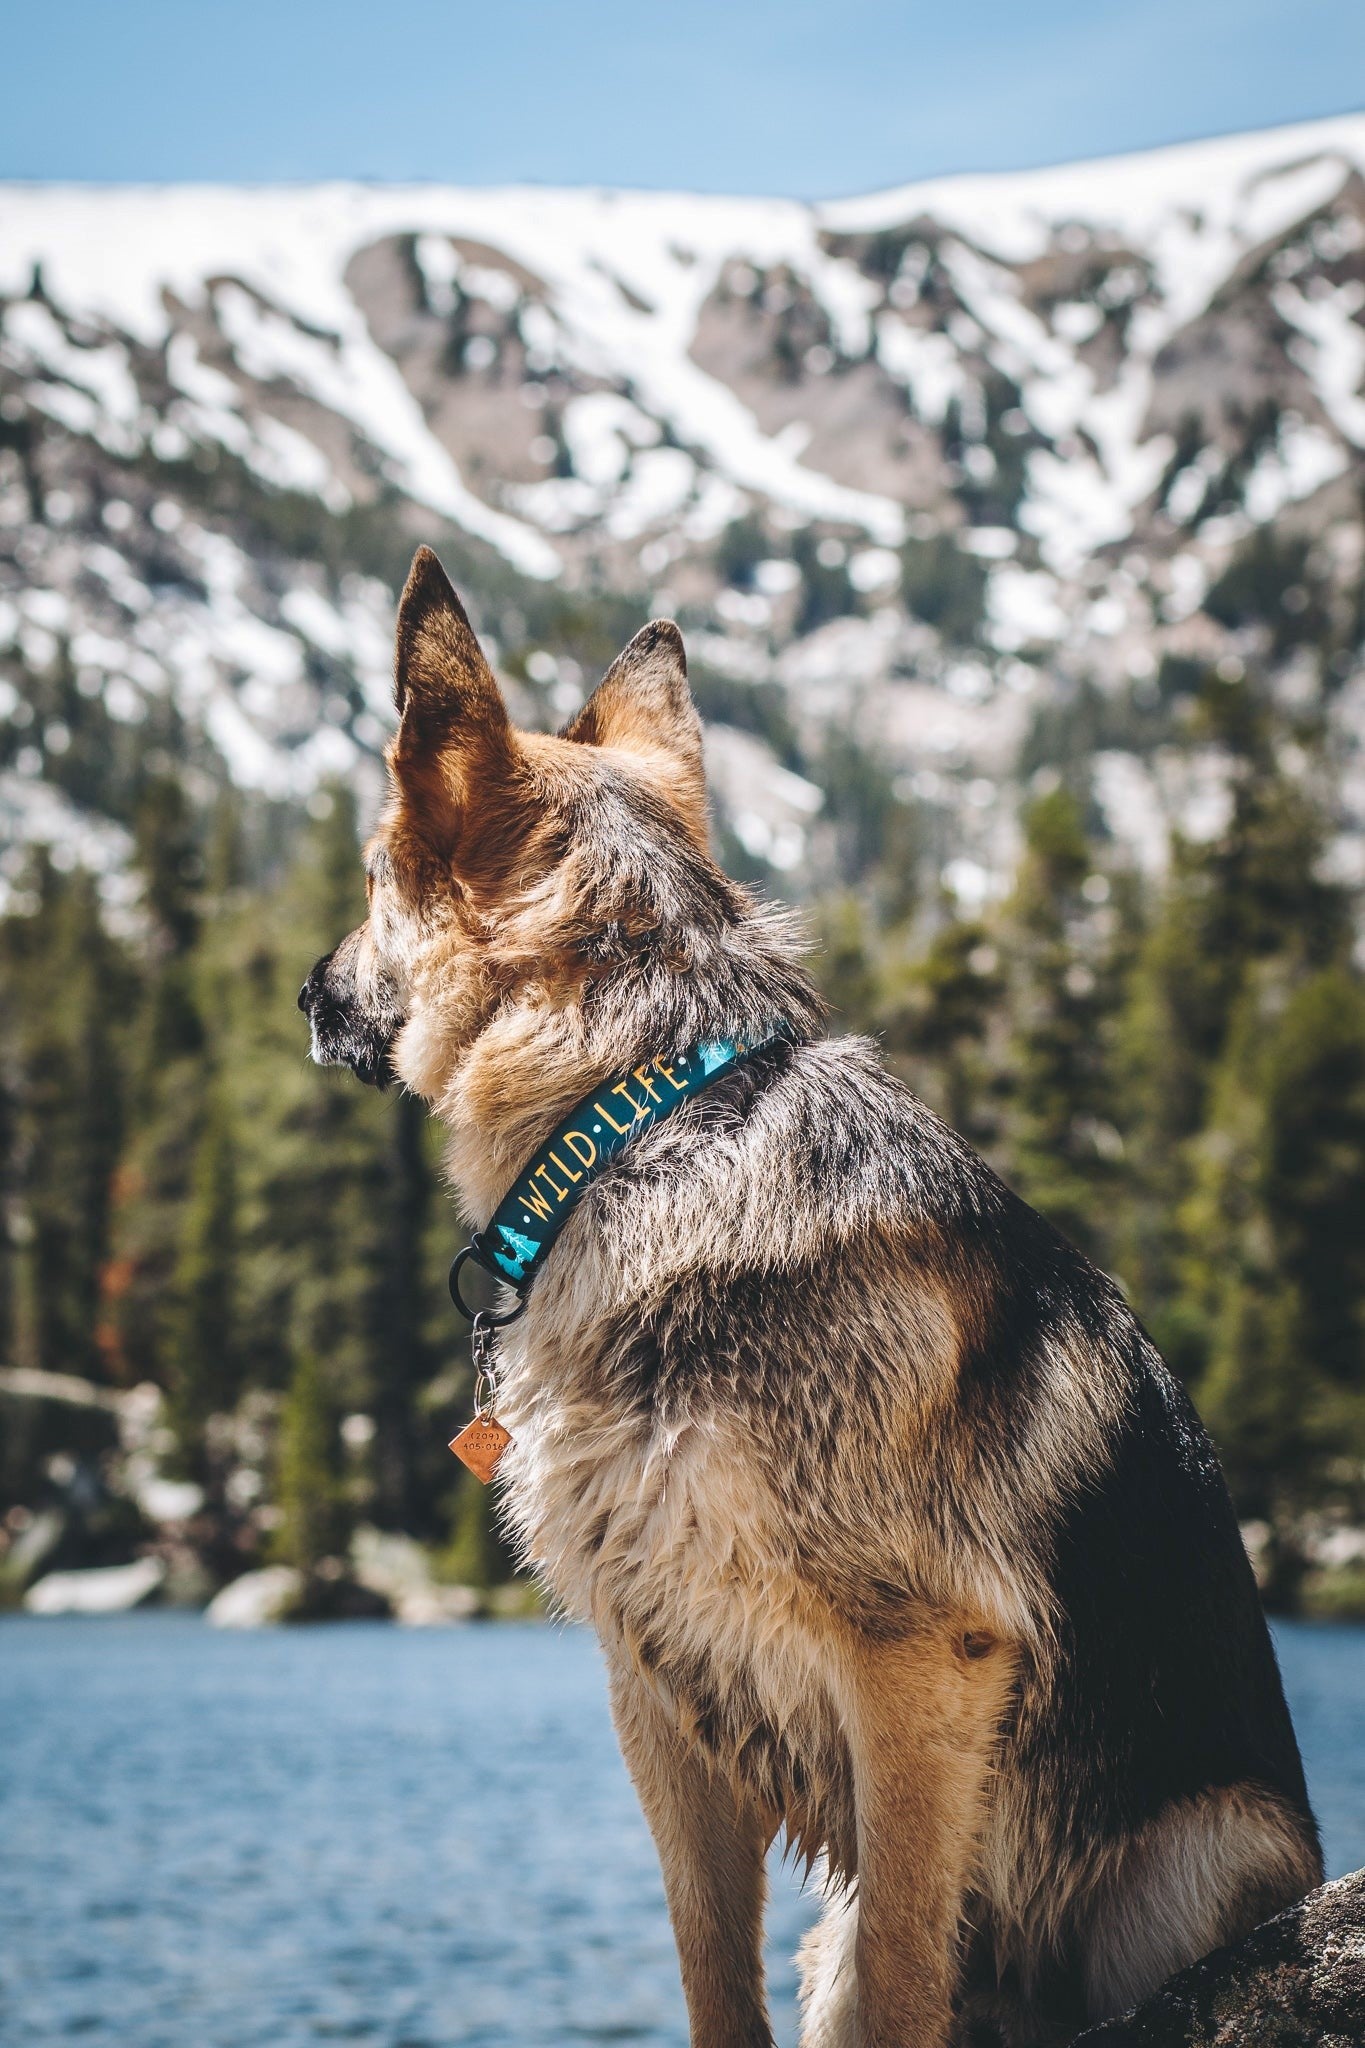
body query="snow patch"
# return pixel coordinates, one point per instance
(769, 809)
(1023, 607)
(1332, 351)
(1302, 459)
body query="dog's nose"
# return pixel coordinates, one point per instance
(312, 988)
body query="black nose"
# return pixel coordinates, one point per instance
(312, 988)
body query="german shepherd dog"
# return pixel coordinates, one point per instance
(897, 1534)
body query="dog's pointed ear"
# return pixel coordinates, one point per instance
(454, 736)
(643, 706)
(440, 675)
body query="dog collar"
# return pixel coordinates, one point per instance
(530, 1216)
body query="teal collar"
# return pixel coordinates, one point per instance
(530, 1216)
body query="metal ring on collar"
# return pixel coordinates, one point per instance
(491, 1320)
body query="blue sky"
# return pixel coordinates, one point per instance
(712, 95)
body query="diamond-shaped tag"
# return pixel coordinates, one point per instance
(480, 1445)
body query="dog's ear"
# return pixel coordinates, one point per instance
(643, 706)
(441, 678)
(455, 750)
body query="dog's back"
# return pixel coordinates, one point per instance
(828, 1373)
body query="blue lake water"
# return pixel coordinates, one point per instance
(361, 1834)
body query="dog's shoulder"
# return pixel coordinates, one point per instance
(826, 1119)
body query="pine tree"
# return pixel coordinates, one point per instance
(1251, 901)
(65, 987)
(939, 1020)
(167, 1084)
(849, 974)
(1063, 1146)
(336, 1253)
(478, 1554)
(202, 1348)
(402, 1362)
(315, 1520)
(1232, 1294)
(1275, 1262)
(328, 1166)
(1169, 1035)
(1313, 1170)
(171, 868)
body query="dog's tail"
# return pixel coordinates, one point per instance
(829, 1981)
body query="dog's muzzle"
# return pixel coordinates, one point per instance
(341, 1035)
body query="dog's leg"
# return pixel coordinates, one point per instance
(712, 1855)
(1203, 1872)
(923, 1713)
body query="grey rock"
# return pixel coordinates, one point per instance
(260, 1599)
(107, 1589)
(1297, 1980)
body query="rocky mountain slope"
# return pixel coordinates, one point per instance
(951, 486)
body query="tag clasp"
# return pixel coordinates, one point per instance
(481, 1443)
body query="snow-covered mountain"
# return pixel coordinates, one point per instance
(925, 473)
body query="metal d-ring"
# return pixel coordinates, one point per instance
(485, 1368)
(488, 1319)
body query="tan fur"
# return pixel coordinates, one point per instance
(1199, 1875)
(924, 1717)
(642, 710)
(711, 1846)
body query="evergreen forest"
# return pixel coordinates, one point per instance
(1173, 1070)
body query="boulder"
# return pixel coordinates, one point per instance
(434, 1606)
(111, 1589)
(278, 1593)
(398, 1569)
(1298, 1981)
(260, 1599)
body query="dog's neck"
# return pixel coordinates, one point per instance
(549, 1044)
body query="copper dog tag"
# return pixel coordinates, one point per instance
(480, 1445)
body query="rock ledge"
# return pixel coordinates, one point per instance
(1298, 1981)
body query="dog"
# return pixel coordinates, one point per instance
(897, 1534)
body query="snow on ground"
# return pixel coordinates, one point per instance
(352, 376)
(1023, 606)
(602, 430)
(609, 286)
(358, 632)
(618, 280)
(92, 391)
(627, 274)
(1249, 188)
(1302, 459)
(1332, 350)
(951, 732)
(768, 809)
(926, 362)
(211, 409)
(1131, 805)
